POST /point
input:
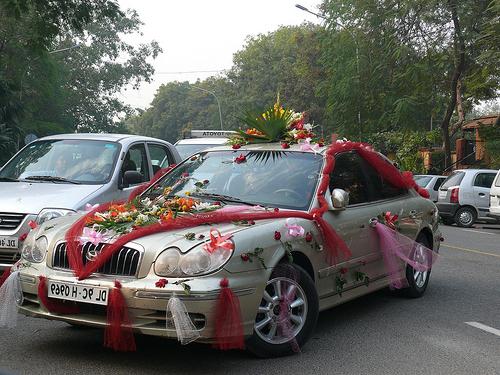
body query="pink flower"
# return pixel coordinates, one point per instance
(32, 224)
(23, 236)
(294, 230)
(307, 146)
(245, 257)
(89, 207)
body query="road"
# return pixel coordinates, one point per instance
(378, 334)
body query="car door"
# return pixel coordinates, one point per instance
(368, 198)
(481, 190)
(159, 156)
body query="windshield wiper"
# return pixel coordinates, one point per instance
(223, 198)
(52, 179)
(8, 179)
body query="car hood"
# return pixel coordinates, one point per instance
(32, 197)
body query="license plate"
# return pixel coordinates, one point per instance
(8, 242)
(78, 292)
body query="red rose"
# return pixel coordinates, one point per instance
(32, 224)
(309, 237)
(205, 182)
(240, 159)
(276, 209)
(161, 283)
(277, 235)
(236, 146)
(217, 203)
(245, 257)
(343, 270)
(321, 144)
(185, 174)
(23, 236)
(285, 145)
(251, 222)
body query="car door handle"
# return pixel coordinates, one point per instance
(413, 214)
(481, 194)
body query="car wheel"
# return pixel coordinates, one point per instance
(418, 280)
(287, 314)
(465, 217)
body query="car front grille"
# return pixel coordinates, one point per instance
(124, 262)
(9, 221)
(9, 257)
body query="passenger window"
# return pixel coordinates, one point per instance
(348, 175)
(160, 156)
(484, 180)
(136, 160)
(438, 183)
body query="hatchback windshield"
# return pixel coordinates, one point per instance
(267, 178)
(453, 179)
(70, 161)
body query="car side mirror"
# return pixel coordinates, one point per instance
(131, 178)
(340, 199)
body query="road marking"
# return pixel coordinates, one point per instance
(471, 250)
(484, 327)
(479, 231)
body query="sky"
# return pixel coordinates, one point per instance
(201, 35)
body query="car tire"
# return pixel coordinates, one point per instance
(264, 343)
(417, 281)
(465, 217)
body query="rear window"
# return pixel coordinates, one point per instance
(422, 181)
(453, 179)
(497, 181)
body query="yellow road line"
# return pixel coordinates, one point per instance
(472, 251)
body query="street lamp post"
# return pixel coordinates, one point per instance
(216, 98)
(301, 7)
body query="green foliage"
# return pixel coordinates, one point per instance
(272, 123)
(405, 145)
(491, 137)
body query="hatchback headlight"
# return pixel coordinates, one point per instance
(196, 262)
(52, 213)
(34, 251)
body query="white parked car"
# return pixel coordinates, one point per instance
(58, 175)
(201, 140)
(464, 196)
(495, 198)
(431, 183)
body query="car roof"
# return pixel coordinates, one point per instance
(202, 141)
(101, 137)
(429, 175)
(476, 170)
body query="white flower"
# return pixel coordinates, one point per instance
(146, 202)
(201, 206)
(308, 127)
(141, 219)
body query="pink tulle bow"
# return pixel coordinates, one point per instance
(92, 236)
(218, 241)
(294, 229)
(307, 146)
(89, 207)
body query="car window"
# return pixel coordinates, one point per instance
(348, 175)
(438, 183)
(422, 181)
(497, 182)
(160, 156)
(484, 180)
(136, 160)
(453, 179)
(186, 149)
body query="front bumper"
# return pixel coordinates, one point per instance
(147, 303)
(447, 210)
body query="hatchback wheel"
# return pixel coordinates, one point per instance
(465, 217)
(287, 314)
(418, 280)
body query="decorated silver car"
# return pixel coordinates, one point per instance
(231, 227)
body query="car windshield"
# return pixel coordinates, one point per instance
(186, 150)
(453, 179)
(422, 181)
(64, 161)
(268, 178)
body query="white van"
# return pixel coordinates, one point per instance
(201, 140)
(58, 175)
(495, 198)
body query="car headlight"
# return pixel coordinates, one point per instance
(34, 251)
(52, 213)
(196, 262)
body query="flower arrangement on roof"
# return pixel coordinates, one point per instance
(274, 124)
